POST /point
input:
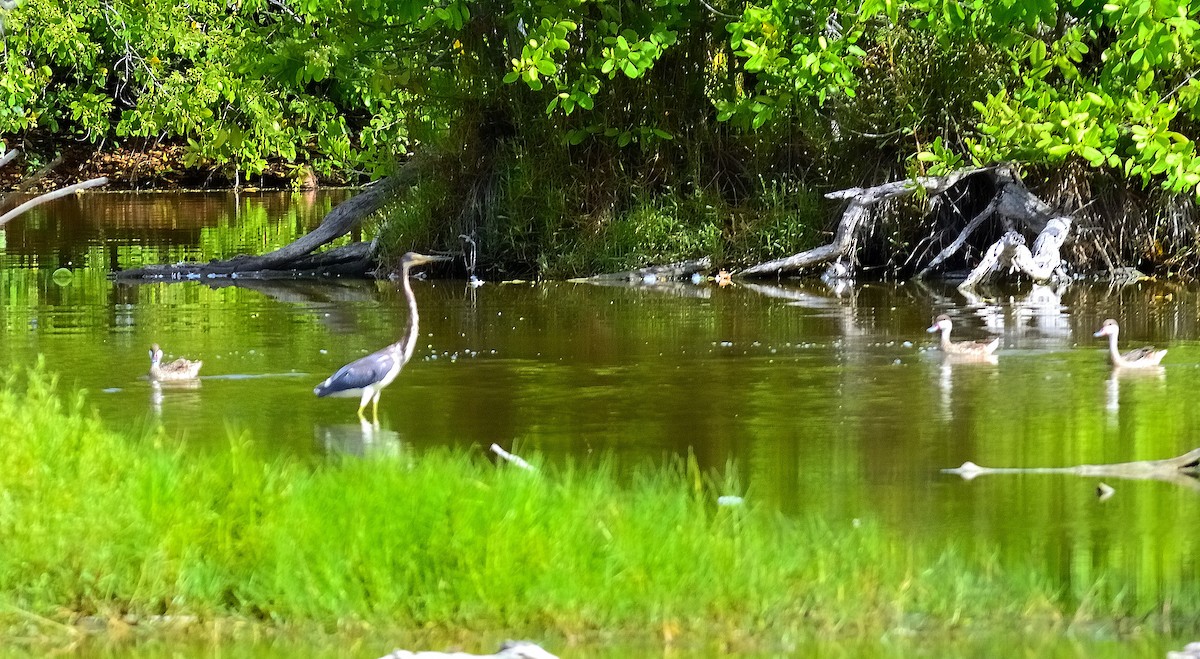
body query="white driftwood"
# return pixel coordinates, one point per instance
(51, 196)
(1013, 204)
(1018, 206)
(9, 156)
(514, 459)
(1044, 263)
(509, 650)
(861, 200)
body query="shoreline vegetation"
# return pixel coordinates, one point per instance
(568, 139)
(119, 536)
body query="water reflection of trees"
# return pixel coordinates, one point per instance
(1051, 399)
(120, 230)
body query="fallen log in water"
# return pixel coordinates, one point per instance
(674, 278)
(297, 258)
(678, 270)
(1181, 470)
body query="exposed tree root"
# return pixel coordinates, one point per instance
(1012, 203)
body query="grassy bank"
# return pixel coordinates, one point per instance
(97, 523)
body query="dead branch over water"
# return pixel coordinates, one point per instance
(34, 178)
(1013, 204)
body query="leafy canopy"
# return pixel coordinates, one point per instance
(350, 85)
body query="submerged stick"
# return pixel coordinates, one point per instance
(1181, 470)
(514, 459)
(678, 270)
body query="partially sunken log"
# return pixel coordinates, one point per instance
(296, 258)
(1182, 470)
(1013, 204)
(679, 270)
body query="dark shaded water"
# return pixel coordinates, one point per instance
(823, 401)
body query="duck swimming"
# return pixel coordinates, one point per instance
(180, 369)
(981, 349)
(1141, 358)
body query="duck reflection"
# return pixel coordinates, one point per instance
(1133, 379)
(950, 362)
(183, 392)
(364, 439)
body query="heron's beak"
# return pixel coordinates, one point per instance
(933, 329)
(1101, 333)
(422, 259)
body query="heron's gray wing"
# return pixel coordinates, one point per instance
(357, 374)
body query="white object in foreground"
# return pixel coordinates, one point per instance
(508, 650)
(515, 459)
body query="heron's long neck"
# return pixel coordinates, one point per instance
(409, 342)
(1112, 349)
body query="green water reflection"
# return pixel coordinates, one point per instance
(825, 403)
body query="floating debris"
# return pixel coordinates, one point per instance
(508, 650)
(514, 459)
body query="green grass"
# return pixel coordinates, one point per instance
(97, 523)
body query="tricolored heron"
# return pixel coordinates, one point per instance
(1140, 358)
(180, 369)
(368, 376)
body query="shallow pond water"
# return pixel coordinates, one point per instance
(820, 400)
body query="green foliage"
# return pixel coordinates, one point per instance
(533, 100)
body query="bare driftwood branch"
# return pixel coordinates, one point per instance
(843, 243)
(1013, 204)
(512, 458)
(28, 180)
(962, 237)
(51, 196)
(294, 257)
(10, 156)
(861, 200)
(1009, 253)
(1181, 470)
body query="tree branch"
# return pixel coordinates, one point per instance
(51, 196)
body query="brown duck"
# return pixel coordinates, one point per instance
(1139, 358)
(180, 369)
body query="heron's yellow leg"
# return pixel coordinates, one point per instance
(375, 408)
